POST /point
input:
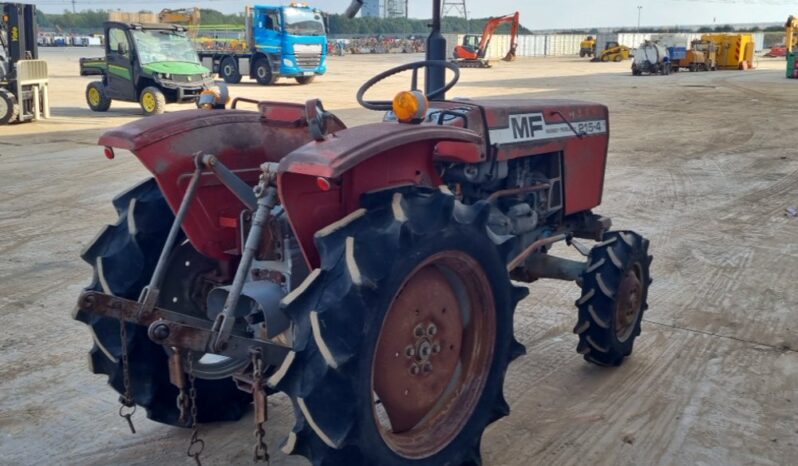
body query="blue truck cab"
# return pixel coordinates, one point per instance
(282, 42)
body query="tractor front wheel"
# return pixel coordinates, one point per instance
(9, 108)
(123, 256)
(97, 98)
(152, 101)
(402, 337)
(614, 297)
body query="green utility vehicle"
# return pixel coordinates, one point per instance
(153, 64)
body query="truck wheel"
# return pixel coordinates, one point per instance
(263, 72)
(96, 97)
(123, 256)
(9, 109)
(305, 79)
(409, 318)
(614, 297)
(152, 101)
(229, 71)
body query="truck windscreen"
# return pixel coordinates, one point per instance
(303, 22)
(163, 46)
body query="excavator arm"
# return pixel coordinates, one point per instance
(490, 29)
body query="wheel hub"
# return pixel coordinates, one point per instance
(433, 354)
(629, 302)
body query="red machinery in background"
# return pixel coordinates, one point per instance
(473, 52)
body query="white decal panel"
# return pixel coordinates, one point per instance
(533, 127)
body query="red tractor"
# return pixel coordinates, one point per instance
(365, 272)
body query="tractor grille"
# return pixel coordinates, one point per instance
(308, 60)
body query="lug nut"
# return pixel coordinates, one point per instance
(410, 351)
(427, 367)
(432, 330)
(419, 331)
(414, 369)
(436, 348)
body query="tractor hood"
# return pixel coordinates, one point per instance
(175, 67)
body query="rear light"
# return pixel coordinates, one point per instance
(323, 183)
(109, 153)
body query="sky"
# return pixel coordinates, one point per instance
(535, 14)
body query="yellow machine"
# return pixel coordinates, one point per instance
(587, 48)
(735, 51)
(614, 52)
(188, 16)
(791, 34)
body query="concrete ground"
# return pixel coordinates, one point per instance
(704, 164)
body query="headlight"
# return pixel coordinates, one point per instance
(288, 62)
(166, 76)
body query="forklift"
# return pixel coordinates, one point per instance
(23, 77)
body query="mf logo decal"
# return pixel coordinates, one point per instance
(14, 34)
(533, 127)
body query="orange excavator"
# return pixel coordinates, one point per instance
(472, 53)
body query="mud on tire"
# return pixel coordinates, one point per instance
(339, 313)
(614, 297)
(123, 256)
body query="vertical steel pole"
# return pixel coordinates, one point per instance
(436, 50)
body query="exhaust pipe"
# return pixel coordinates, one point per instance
(259, 303)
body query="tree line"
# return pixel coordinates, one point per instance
(338, 24)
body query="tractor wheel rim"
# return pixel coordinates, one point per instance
(629, 303)
(433, 354)
(148, 102)
(94, 96)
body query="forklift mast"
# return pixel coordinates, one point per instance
(20, 32)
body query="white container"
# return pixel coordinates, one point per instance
(650, 52)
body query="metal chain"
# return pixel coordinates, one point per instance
(196, 445)
(261, 450)
(128, 407)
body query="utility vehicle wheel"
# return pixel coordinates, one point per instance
(152, 101)
(124, 256)
(617, 58)
(305, 79)
(229, 71)
(96, 97)
(9, 109)
(263, 72)
(402, 337)
(614, 296)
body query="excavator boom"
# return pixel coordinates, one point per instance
(468, 57)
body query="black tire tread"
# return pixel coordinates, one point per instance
(607, 263)
(13, 106)
(324, 371)
(123, 261)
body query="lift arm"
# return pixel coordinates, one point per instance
(791, 34)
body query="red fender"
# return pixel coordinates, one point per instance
(242, 140)
(360, 160)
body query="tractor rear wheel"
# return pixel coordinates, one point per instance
(96, 97)
(402, 337)
(9, 108)
(123, 256)
(614, 297)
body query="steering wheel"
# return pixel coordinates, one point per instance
(385, 105)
